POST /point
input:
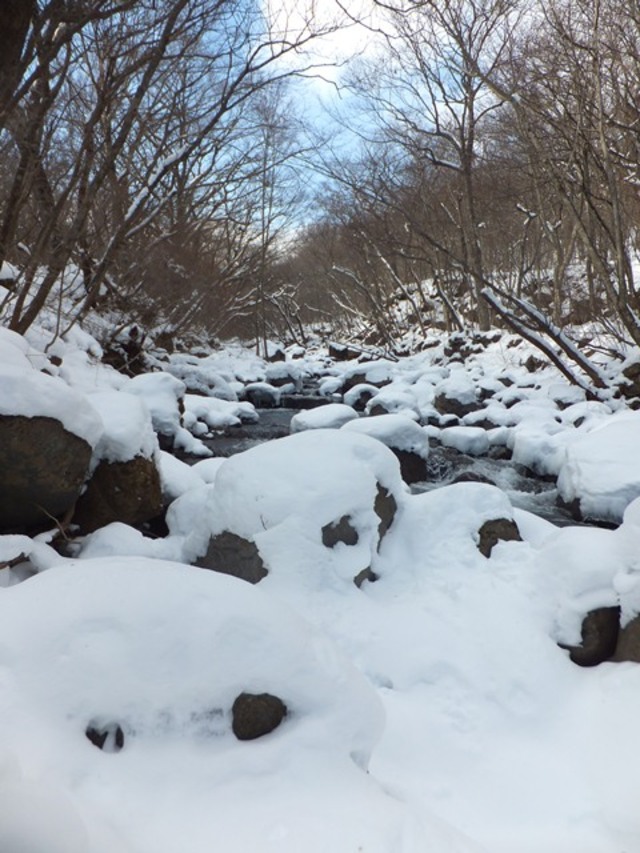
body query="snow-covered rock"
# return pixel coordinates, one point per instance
(601, 469)
(331, 416)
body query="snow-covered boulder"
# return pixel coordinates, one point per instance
(318, 500)
(402, 435)
(377, 373)
(284, 375)
(262, 395)
(456, 395)
(200, 376)
(163, 396)
(125, 483)
(47, 435)
(155, 656)
(466, 439)
(600, 473)
(331, 416)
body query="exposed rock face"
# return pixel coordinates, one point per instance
(129, 492)
(339, 531)
(256, 714)
(628, 645)
(472, 477)
(43, 468)
(412, 467)
(342, 352)
(600, 629)
(496, 530)
(262, 395)
(365, 575)
(451, 406)
(385, 507)
(233, 555)
(630, 387)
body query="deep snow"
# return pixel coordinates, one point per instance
(429, 712)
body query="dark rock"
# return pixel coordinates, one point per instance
(362, 378)
(129, 492)
(108, 737)
(276, 354)
(413, 468)
(472, 477)
(126, 352)
(360, 395)
(166, 341)
(341, 352)
(628, 645)
(600, 629)
(496, 530)
(499, 451)
(365, 575)
(232, 555)
(451, 406)
(385, 507)
(43, 468)
(262, 395)
(339, 531)
(534, 364)
(629, 387)
(256, 714)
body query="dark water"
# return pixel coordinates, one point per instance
(525, 492)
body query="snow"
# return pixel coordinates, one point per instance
(397, 431)
(466, 439)
(602, 468)
(217, 413)
(430, 710)
(127, 428)
(333, 415)
(161, 393)
(29, 393)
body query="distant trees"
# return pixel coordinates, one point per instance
(134, 149)
(500, 149)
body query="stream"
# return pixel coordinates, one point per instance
(533, 494)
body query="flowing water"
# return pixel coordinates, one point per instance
(525, 492)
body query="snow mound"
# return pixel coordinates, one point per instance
(127, 432)
(397, 431)
(466, 439)
(34, 394)
(160, 392)
(331, 416)
(159, 652)
(319, 475)
(602, 469)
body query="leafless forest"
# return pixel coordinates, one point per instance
(155, 160)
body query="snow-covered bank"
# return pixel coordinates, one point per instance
(431, 705)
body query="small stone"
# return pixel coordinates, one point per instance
(385, 507)
(496, 530)
(365, 575)
(339, 531)
(233, 555)
(256, 714)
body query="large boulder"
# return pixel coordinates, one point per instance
(47, 434)
(125, 483)
(319, 500)
(128, 491)
(43, 468)
(404, 437)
